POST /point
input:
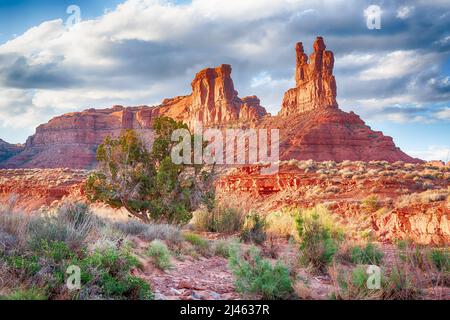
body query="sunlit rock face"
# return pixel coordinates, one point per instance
(315, 86)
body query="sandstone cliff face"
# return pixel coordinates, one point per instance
(71, 140)
(332, 134)
(8, 150)
(315, 84)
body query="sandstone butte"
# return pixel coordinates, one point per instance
(311, 124)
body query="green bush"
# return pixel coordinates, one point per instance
(222, 247)
(370, 254)
(26, 294)
(370, 204)
(160, 254)
(400, 285)
(196, 240)
(258, 277)
(254, 229)
(105, 274)
(352, 285)
(319, 237)
(440, 259)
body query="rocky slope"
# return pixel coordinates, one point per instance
(311, 124)
(410, 201)
(8, 150)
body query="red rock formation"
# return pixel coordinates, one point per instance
(332, 134)
(251, 110)
(8, 150)
(315, 84)
(310, 122)
(71, 140)
(34, 188)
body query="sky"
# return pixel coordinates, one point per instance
(135, 52)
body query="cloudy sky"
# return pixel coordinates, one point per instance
(141, 51)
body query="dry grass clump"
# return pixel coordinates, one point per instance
(150, 232)
(332, 189)
(424, 197)
(345, 163)
(346, 173)
(370, 204)
(313, 192)
(222, 219)
(282, 223)
(307, 166)
(412, 272)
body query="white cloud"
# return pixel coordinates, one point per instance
(404, 12)
(443, 114)
(432, 153)
(397, 64)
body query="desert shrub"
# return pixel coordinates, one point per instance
(160, 254)
(220, 219)
(400, 285)
(131, 227)
(440, 259)
(370, 254)
(282, 223)
(258, 277)
(433, 196)
(26, 294)
(7, 241)
(254, 229)
(202, 245)
(370, 204)
(104, 273)
(345, 173)
(319, 237)
(352, 285)
(13, 223)
(71, 223)
(76, 213)
(153, 231)
(165, 232)
(271, 247)
(332, 189)
(222, 247)
(110, 270)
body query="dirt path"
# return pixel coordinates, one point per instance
(192, 279)
(189, 278)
